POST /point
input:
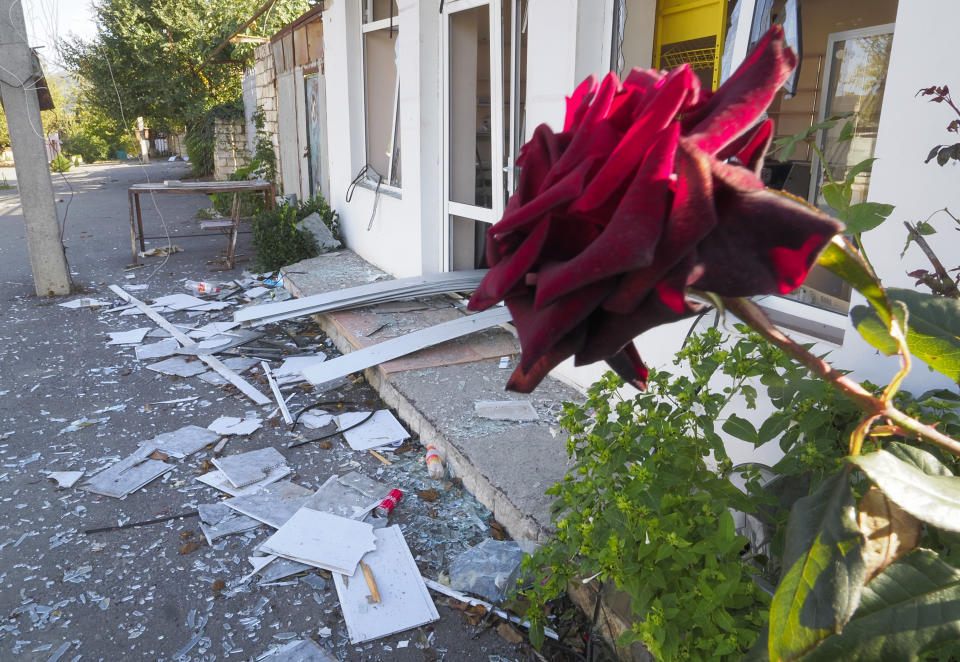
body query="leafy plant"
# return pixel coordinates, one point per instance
(60, 163)
(642, 508)
(279, 238)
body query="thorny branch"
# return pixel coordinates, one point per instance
(874, 407)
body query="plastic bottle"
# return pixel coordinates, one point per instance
(434, 465)
(201, 287)
(388, 504)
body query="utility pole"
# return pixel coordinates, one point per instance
(51, 275)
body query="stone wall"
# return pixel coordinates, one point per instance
(265, 80)
(230, 152)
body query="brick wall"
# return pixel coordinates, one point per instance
(231, 152)
(265, 76)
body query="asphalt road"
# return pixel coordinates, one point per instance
(130, 594)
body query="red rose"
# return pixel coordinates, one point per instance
(651, 188)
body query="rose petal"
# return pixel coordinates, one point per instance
(540, 329)
(525, 380)
(622, 163)
(743, 97)
(629, 240)
(628, 364)
(579, 102)
(692, 217)
(751, 147)
(747, 254)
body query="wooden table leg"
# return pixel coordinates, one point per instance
(133, 229)
(136, 200)
(234, 229)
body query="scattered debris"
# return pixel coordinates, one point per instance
(273, 505)
(298, 650)
(183, 442)
(489, 569)
(128, 475)
(162, 251)
(218, 520)
(127, 337)
(276, 393)
(382, 429)
(227, 425)
(65, 478)
(158, 350)
(322, 540)
(401, 598)
(394, 348)
(178, 366)
(251, 467)
(84, 302)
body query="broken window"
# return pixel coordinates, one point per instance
(381, 89)
(843, 68)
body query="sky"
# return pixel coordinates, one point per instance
(48, 20)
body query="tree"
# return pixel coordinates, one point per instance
(63, 116)
(148, 57)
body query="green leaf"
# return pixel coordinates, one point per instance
(933, 334)
(925, 228)
(933, 153)
(921, 459)
(773, 426)
(866, 216)
(741, 428)
(863, 166)
(837, 196)
(845, 262)
(931, 498)
(823, 571)
(846, 133)
(911, 608)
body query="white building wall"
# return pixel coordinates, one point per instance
(394, 241)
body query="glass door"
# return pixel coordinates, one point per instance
(482, 123)
(854, 81)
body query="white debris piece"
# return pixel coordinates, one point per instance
(219, 481)
(315, 421)
(158, 350)
(226, 425)
(381, 430)
(506, 410)
(183, 442)
(128, 475)
(65, 478)
(290, 371)
(254, 292)
(253, 466)
(127, 337)
(84, 302)
(178, 366)
(404, 603)
(298, 650)
(273, 505)
(322, 540)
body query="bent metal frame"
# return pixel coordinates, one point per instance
(232, 224)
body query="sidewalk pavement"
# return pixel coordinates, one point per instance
(506, 465)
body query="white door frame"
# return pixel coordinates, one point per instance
(815, 165)
(450, 208)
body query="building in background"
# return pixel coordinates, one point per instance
(409, 115)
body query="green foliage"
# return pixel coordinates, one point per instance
(263, 165)
(933, 329)
(151, 55)
(643, 509)
(60, 163)
(824, 571)
(87, 144)
(278, 238)
(201, 143)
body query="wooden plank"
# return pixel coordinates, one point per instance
(361, 295)
(225, 372)
(403, 345)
